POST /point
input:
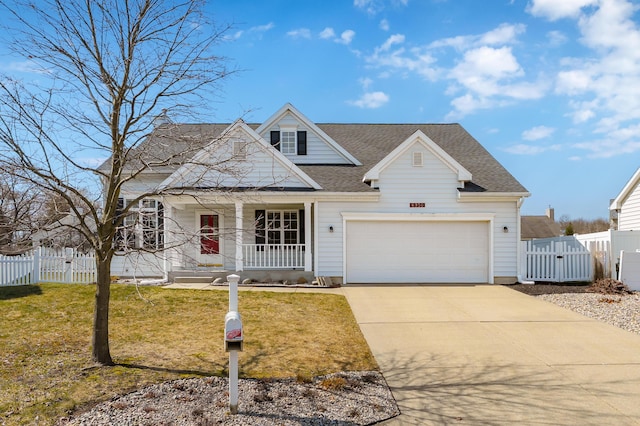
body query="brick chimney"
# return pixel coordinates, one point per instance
(551, 213)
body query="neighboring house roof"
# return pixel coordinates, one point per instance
(538, 227)
(370, 144)
(617, 202)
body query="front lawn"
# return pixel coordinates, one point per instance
(157, 335)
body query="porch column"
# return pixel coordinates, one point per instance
(239, 256)
(167, 258)
(307, 241)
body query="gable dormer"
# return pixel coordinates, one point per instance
(418, 139)
(239, 159)
(301, 141)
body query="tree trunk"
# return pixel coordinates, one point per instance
(100, 341)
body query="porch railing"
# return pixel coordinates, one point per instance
(273, 256)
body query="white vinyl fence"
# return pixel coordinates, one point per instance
(606, 247)
(556, 260)
(43, 265)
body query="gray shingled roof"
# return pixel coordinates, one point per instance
(369, 143)
(538, 227)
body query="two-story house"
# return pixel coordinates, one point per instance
(361, 203)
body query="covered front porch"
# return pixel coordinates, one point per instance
(208, 236)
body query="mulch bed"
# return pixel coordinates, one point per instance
(548, 288)
(603, 286)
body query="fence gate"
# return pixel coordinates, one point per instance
(556, 261)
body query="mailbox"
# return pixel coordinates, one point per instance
(233, 334)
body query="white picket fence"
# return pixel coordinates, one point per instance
(556, 261)
(43, 265)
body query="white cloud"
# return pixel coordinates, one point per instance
(365, 82)
(370, 6)
(28, 66)
(501, 35)
(417, 60)
(524, 149)
(384, 25)
(346, 37)
(538, 132)
(262, 28)
(371, 100)
(389, 42)
(608, 148)
(327, 33)
(487, 75)
(300, 33)
(556, 38)
(605, 86)
(557, 9)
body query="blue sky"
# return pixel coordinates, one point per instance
(550, 87)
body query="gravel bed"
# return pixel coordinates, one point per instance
(347, 398)
(620, 310)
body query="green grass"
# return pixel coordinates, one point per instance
(45, 333)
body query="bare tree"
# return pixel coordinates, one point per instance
(583, 226)
(20, 213)
(107, 68)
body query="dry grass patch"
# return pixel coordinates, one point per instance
(45, 332)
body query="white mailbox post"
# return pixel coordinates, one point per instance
(233, 340)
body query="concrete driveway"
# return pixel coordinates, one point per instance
(488, 355)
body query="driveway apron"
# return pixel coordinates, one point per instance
(489, 355)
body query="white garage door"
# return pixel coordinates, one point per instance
(417, 252)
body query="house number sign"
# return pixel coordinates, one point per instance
(412, 205)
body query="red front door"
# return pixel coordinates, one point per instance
(209, 234)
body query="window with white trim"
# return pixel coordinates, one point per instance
(282, 227)
(142, 227)
(288, 142)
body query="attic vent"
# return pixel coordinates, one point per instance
(239, 150)
(417, 159)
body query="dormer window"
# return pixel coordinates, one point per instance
(290, 141)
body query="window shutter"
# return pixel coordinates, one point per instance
(302, 142)
(160, 242)
(261, 222)
(119, 209)
(275, 139)
(301, 226)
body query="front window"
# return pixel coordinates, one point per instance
(142, 227)
(282, 227)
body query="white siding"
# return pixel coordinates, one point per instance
(318, 151)
(435, 185)
(144, 183)
(184, 237)
(138, 265)
(260, 169)
(629, 216)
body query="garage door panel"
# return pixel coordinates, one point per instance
(387, 251)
